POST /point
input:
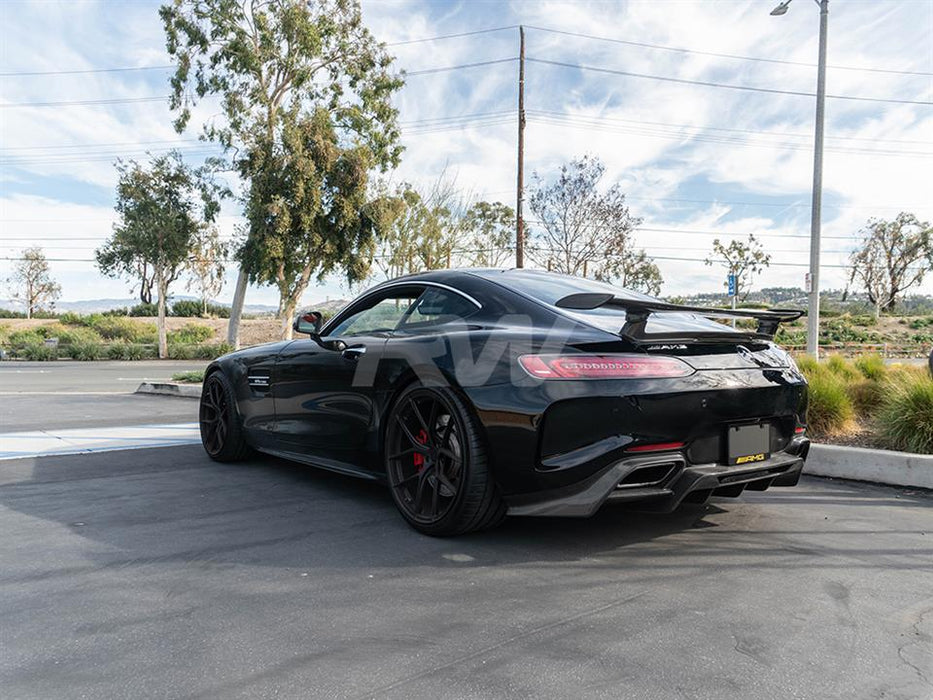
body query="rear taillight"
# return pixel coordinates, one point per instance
(656, 447)
(603, 366)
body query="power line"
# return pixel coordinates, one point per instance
(477, 64)
(165, 98)
(17, 74)
(561, 64)
(728, 86)
(6, 152)
(122, 69)
(452, 36)
(99, 145)
(706, 127)
(85, 103)
(661, 47)
(673, 135)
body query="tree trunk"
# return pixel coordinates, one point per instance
(287, 316)
(160, 322)
(288, 300)
(236, 310)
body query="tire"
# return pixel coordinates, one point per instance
(436, 464)
(221, 432)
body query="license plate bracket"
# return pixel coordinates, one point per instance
(748, 444)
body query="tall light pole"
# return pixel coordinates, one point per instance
(520, 194)
(813, 309)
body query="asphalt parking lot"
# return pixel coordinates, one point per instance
(158, 573)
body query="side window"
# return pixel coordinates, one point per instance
(435, 307)
(381, 316)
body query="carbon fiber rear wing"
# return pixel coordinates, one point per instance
(637, 312)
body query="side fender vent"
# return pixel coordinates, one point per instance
(259, 380)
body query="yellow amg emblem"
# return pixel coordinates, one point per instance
(760, 457)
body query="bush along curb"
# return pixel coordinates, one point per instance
(184, 391)
(878, 466)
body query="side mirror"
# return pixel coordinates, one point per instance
(309, 323)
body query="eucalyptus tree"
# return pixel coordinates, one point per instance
(490, 229)
(207, 265)
(31, 284)
(583, 229)
(280, 69)
(893, 256)
(420, 228)
(744, 260)
(163, 208)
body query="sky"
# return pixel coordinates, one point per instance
(696, 161)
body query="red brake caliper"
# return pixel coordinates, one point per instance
(421, 437)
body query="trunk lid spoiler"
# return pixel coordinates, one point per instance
(637, 312)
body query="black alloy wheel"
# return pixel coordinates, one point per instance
(221, 435)
(436, 464)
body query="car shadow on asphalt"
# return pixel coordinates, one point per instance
(165, 505)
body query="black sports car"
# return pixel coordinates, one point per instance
(479, 393)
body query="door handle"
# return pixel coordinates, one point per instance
(354, 353)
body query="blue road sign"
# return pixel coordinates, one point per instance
(731, 285)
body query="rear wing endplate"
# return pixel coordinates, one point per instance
(637, 312)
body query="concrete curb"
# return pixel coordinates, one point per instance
(185, 391)
(878, 466)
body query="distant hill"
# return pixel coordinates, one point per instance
(90, 306)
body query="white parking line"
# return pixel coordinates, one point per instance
(63, 393)
(42, 443)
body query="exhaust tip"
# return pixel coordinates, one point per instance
(650, 475)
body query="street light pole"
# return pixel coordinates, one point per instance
(813, 306)
(813, 309)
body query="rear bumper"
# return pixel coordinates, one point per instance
(669, 480)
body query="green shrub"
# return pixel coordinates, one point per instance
(218, 311)
(7, 313)
(26, 336)
(195, 376)
(127, 351)
(871, 366)
(866, 395)
(807, 364)
(905, 421)
(120, 311)
(144, 310)
(190, 334)
(86, 351)
(841, 367)
(116, 328)
(37, 351)
(71, 335)
(188, 308)
(70, 318)
(204, 351)
(830, 408)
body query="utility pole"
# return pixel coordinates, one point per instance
(813, 308)
(519, 222)
(813, 305)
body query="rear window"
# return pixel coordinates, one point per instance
(549, 288)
